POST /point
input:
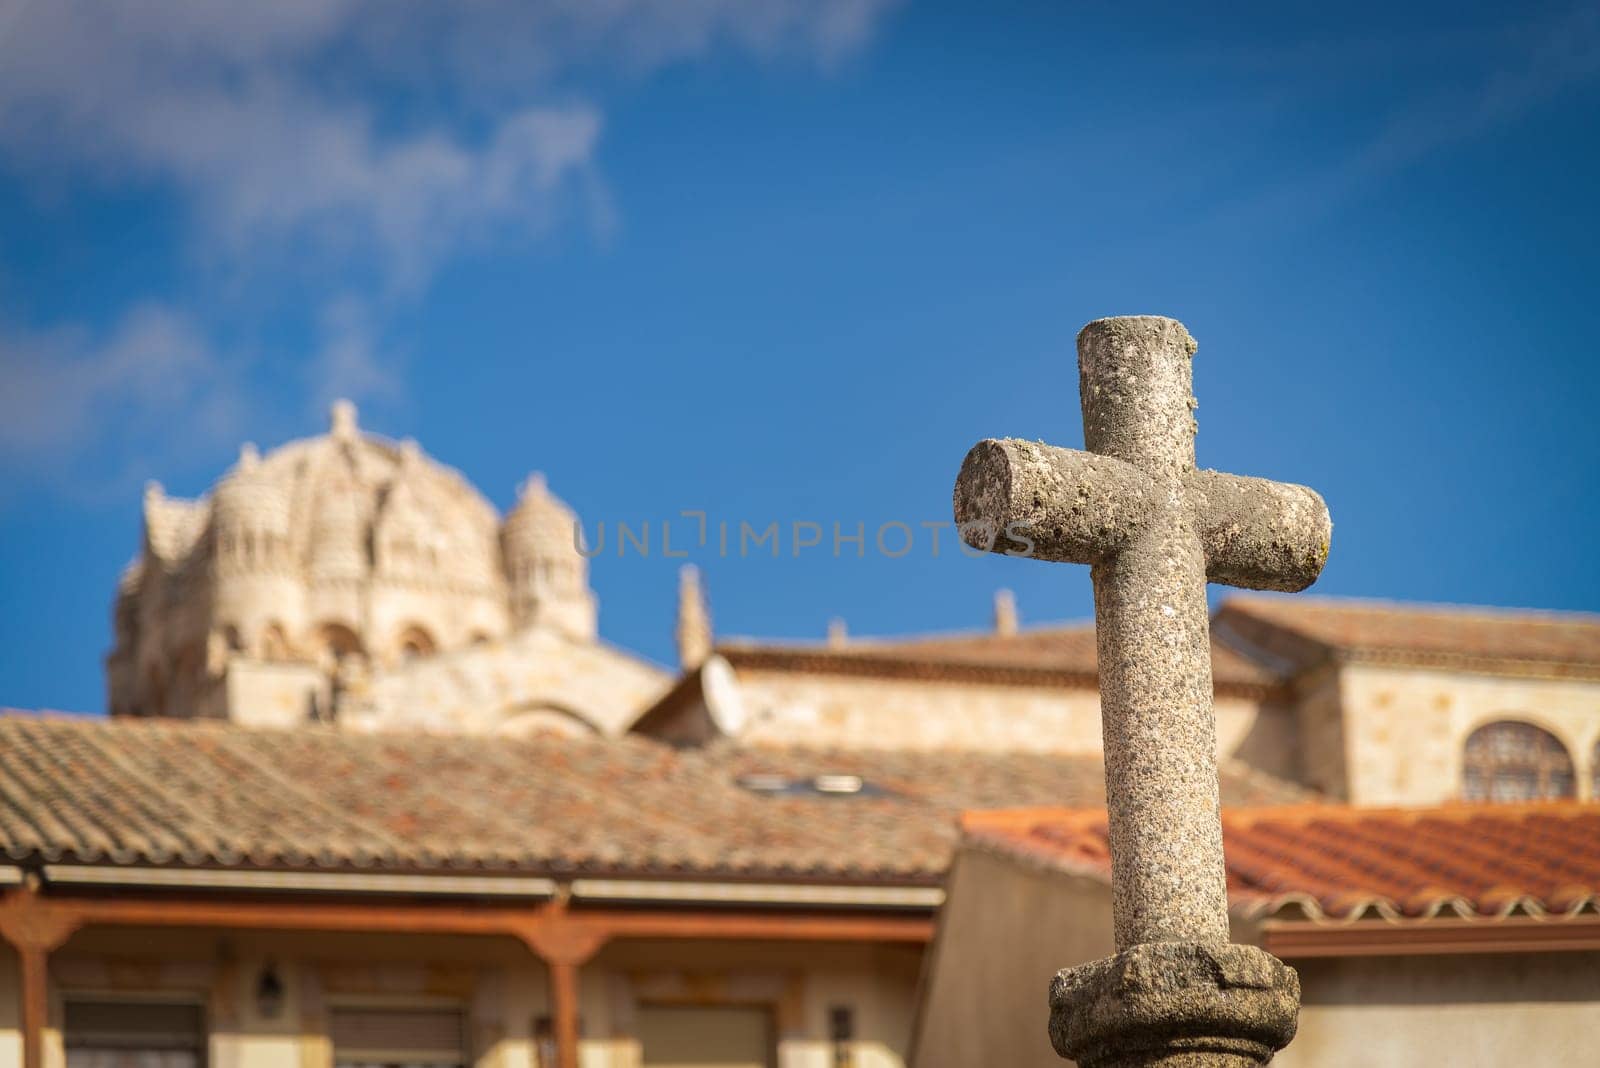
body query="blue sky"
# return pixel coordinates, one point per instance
(787, 261)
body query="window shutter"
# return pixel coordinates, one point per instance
(133, 1025)
(396, 1036)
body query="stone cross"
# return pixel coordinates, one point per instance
(1154, 530)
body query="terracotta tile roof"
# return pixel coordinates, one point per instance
(1059, 654)
(1339, 864)
(1294, 633)
(84, 790)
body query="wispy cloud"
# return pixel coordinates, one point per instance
(368, 141)
(279, 121)
(350, 361)
(1492, 82)
(153, 377)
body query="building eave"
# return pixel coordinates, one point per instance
(1302, 939)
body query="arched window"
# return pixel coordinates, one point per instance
(338, 643)
(414, 642)
(1513, 761)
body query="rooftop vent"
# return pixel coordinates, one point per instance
(833, 785)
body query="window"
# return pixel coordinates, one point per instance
(707, 1036)
(104, 1033)
(1512, 761)
(415, 641)
(338, 641)
(399, 1038)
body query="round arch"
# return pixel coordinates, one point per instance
(545, 719)
(414, 641)
(336, 641)
(1512, 759)
(1594, 771)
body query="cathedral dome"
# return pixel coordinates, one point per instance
(338, 560)
(331, 495)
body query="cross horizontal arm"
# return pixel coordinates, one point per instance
(1075, 507)
(1258, 534)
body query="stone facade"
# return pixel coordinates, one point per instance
(1367, 724)
(347, 578)
(350, 578)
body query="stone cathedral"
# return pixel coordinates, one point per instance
(351, 579)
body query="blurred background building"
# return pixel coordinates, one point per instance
(374, 792)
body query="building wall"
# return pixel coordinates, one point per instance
(808, 708)
(1007, 927)
(1005, 930)
(499, 984)
(1320, 761)
(1464, 1011)
(534, 677)
(1406, 727)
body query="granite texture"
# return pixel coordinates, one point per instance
(1176, 1005)
(1154, 529)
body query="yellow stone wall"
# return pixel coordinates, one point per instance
(1009, 926)
(1401, 1012)
(805, 708)
(1405, 727)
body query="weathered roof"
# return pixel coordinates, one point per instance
(143, 792)
(1295, 633)
(1337, 864)
(1044, 655)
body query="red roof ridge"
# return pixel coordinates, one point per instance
(1301, 814)
(1337, 864)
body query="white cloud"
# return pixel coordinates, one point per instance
(1491, 81)
(363, 140)
(296, 121)
(152, 372)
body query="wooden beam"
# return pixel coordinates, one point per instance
(1303, 940)
(564, 938)
(546, 922)
(35, 1004)
(564, 1011)
(35, 930)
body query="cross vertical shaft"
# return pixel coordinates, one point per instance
(1154, 530)
(1152, 633)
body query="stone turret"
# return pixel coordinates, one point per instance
(547, 577)
(249, 520)
(693, 632)
(1005, 613)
